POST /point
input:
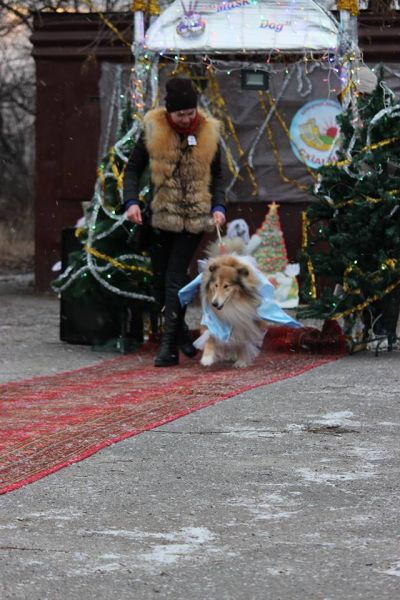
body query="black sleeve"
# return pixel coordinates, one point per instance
(217, 188)
(137, 163)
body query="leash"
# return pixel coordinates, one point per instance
(221, 244)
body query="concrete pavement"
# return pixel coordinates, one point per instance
(286, 492)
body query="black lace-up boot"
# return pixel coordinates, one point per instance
(168, 354)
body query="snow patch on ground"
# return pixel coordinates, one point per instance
(369, 454)
(295, 428)
(268, 507)
(54, 515)
(341, 418)
(394, 569)
(164, 549)
(185, 542)
(315, 476)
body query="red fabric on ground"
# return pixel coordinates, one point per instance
(51, 422)
(329, 340)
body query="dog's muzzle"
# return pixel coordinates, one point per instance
(217, 305)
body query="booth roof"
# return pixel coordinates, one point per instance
(254, 26)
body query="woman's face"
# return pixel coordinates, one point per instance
(183, 118)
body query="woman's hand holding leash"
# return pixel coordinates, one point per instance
(219, 218)
(134, 214)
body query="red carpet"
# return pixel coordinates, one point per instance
(51, 422)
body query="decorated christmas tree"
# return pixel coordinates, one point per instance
(111, 272)
(352, 231)
(271, 257)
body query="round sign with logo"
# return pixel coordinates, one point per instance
(314, 132)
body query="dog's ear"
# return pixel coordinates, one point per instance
(243, 272)
(212, 268)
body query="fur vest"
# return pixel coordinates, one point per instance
(180, 174)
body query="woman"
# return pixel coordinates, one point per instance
(180, 143)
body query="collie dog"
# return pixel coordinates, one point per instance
(229, 289)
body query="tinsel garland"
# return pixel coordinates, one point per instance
(305, 224)
(365, 149)
(94, 269)
(369, 199)
(269, 115)
(366, 303)
(275, 151)
(102, 176)
(393, 112)
(350, 85)
(350, 5)
(219, 102)
(80, 231)
(345, 285)
(390, 263)
(139, 6)
(287, 132)
(153, 8)
(116, 263)
(119, 175)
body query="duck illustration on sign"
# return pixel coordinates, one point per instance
(314, 132)
(311, 135)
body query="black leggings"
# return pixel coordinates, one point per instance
(171, 254)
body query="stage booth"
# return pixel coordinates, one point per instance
(258, 63)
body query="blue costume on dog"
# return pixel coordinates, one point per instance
(268, 309)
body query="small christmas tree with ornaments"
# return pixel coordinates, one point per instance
(271, 257)
(107, 284)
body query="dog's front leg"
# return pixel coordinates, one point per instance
(209, 354)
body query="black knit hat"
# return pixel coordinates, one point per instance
(180, 94)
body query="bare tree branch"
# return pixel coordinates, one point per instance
(17, 91)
